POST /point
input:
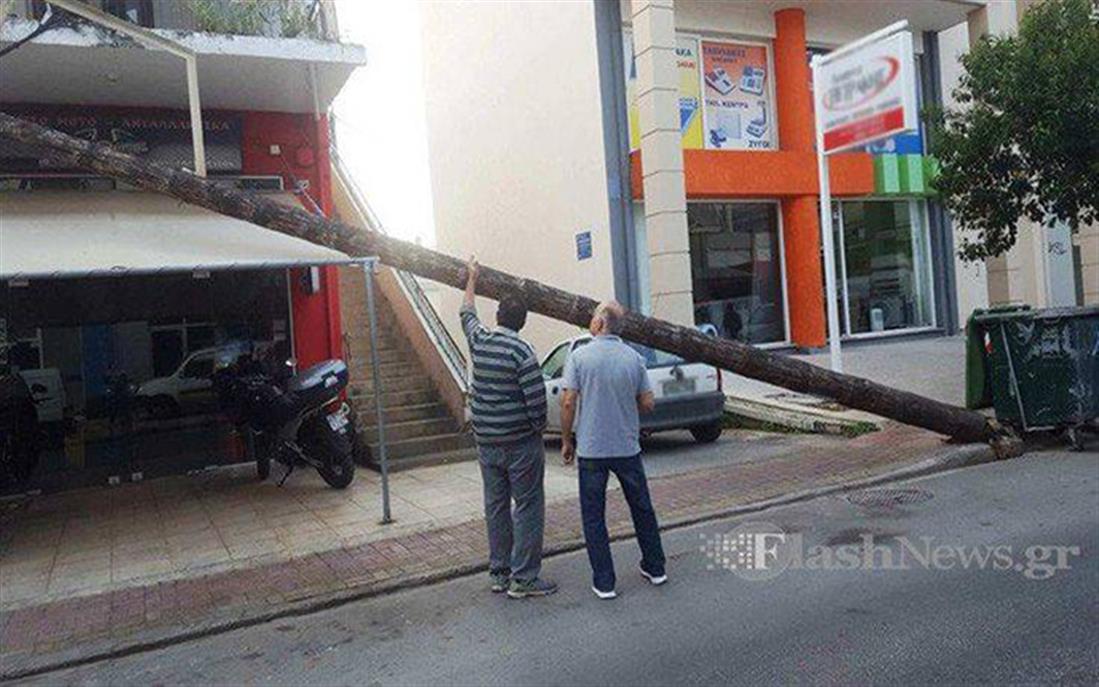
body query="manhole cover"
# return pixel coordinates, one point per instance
(884, 498)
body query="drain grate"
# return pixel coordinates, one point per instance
(884, 498)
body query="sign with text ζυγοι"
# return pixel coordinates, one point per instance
(867, 94)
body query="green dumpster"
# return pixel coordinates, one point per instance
(1043, 367)
(978, 391)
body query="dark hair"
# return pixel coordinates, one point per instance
(512, 312)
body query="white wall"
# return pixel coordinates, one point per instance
(516, 146)
(828, 22)
(1088, 241)
(971, 277)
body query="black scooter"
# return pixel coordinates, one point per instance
(296, 419)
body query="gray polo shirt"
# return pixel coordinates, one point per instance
(609, 376)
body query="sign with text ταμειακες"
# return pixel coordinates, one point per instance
(737, 104)
(583, 245)
(867, 94)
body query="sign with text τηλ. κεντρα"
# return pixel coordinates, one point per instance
(867, 94)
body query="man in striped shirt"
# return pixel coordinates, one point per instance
(507, 397)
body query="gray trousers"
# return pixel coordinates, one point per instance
(515, 471)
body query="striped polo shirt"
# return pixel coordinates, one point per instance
(507, 393)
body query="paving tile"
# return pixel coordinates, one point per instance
(141, 569)
(67, 580)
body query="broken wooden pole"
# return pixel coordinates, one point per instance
(686, 342)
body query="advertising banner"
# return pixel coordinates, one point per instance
(737, 105)
(633, 114)
(690, 91)
(866, 95)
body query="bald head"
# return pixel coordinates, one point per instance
(608, 318)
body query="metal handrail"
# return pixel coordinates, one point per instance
(429, 317)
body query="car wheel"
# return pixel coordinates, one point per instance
(707, 434)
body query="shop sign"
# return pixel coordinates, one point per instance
(159, 136)
(866, 95)
(737, 106)
(910, 143)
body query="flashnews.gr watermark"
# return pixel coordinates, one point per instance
(761, 551)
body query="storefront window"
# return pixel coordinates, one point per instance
(736, 270)
(121, 368)
(885, 266)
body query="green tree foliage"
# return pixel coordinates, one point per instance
(1024, 140)
(287, 18)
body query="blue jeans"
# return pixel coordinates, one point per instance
(594, 473)
(514, 471)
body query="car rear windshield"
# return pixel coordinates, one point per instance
(654, 358)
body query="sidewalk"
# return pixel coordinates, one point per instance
(51, 631)
(933, 367)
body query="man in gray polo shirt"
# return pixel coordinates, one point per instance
(608, 381)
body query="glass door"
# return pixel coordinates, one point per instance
(884, 264)
(737, 271)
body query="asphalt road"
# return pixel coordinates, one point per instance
(709, 625)
(676, 452)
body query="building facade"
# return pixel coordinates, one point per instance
(115, 303)
(663, 152)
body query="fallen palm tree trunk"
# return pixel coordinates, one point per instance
(687, 342)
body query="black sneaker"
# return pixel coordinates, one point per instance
(521, 589)
(500, 582)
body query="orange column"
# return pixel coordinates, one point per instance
(800, 222)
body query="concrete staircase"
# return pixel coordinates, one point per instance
(421, 369)
(420, 429)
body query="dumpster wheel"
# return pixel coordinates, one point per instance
(1077, 434)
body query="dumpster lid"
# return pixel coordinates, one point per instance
(1043, 314)
(1054, 313)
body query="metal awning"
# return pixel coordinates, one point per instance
(53, 234)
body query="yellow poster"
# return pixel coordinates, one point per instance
(631, 89)
(690, 91)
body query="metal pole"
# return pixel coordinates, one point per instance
(368, 273)
(826, 233)
(152, 40)
(198, 141)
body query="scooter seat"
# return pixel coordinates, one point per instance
(319, 383)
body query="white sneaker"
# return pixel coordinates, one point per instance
(656, 580)
(604, 595)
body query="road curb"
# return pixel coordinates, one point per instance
(952, 457)
(796, 418)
